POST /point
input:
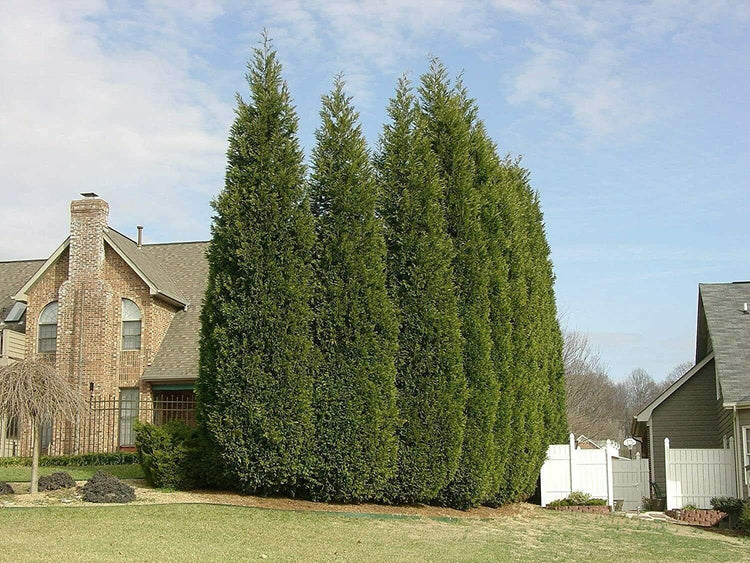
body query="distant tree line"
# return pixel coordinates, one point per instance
(384, 327)
(597, 406)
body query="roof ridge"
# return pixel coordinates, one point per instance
(22, 260)
(177, 242)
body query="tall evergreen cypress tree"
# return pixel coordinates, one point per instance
(355, 325)
(538, 411)
(449, 131)
(255, 387)
(497, 221)
(430, 380)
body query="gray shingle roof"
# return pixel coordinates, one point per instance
(154, 270)
(729, 329)
(186, 262)
(13, 275)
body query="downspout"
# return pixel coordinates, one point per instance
(738, 445)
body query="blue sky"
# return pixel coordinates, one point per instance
(632, 118)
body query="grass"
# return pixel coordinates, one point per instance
(17, 473)
(213, 532)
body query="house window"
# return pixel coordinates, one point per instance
(131, 325)
(128, 416)
(48, 329)
(12, 430)
(746, 452)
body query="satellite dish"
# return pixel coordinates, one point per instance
(629, 442)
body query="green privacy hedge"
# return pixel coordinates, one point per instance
(83, 460)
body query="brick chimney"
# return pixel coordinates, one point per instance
(87, 333)
(88, 219)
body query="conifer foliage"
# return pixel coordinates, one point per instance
(430, 379)
(255, 387)
(355, 327)
(449, 131)
(378, 332)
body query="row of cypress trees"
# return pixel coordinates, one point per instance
(384, 329)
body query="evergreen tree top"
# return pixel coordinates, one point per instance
(341, 155)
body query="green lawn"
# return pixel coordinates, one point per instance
(178, 532)
(19, 473)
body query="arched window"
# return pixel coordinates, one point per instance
(131, 325)
(48, 329)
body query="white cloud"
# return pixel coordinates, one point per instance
(592, 59)
(83, 113)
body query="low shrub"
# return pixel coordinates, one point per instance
(733, 507)
(689, 507)
(55, 481)
(83, 460)
(729, 505)
(744, 520)
(578, 498)
(106, 488)
(168, 454)
(6, 489)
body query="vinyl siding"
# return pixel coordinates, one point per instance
(689, 418)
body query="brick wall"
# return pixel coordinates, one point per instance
(89, 282)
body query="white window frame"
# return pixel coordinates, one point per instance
(746, 453)
(40, 324)
(122, 325)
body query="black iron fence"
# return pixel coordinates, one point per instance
(108, 425)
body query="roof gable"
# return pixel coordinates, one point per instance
(13, 275)
(645, 414)
(159, 282)
(728, 328)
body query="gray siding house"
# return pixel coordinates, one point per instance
(709, 406)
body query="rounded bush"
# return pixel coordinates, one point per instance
(6, 489)
(55, 481)
(168, 454)
(106, 488)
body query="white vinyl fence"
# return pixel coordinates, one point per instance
(695, 475)
(568, 469)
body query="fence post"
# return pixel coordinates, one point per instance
(738, 476)
(667, 472)
(572, 449)
(610, 483)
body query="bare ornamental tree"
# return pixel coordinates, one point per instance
(33, 390)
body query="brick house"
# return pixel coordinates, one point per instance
(118, 318)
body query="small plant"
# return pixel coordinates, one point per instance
(55, 481)
(578, 498)
(6, 489)
(689, 506)
(105, 488)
